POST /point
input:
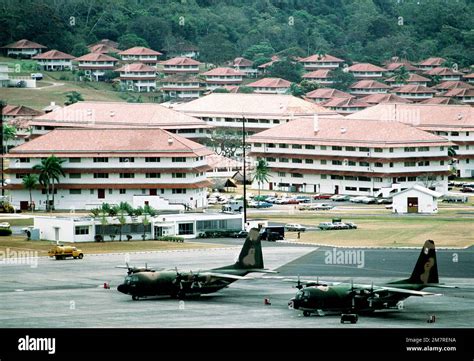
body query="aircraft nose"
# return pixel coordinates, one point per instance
(122, 288)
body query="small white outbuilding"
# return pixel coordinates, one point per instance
(416, 199)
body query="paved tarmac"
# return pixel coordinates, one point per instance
(69, 293)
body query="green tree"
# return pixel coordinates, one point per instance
(50, 170)
(210, 53)
(263, 49)
(342, 80)
(9, 133)
(287, 70)
(401, 75)
(73, 97)
(131, 40)
(30, 182)
(261, 174)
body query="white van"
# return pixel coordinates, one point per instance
(233, 206)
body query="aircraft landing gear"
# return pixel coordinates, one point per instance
(135, 298)
(306, 313)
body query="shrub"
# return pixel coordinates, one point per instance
(171, 239)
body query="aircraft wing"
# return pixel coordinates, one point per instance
(225, 275)
(405, 291)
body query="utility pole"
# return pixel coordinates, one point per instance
(245, 172)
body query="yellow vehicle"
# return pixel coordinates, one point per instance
(63, 252)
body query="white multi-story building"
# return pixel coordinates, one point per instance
(366, 71)
(96, 64)
(180, 65)
(137, 77)
(321, 61)
(455, 123)
(24, 48)
(182, 86)
(260, 111)
(141, 54)
(220, 77)
(54, 60)
(120, 115)
(271, 86)
(368, 87)
(113, 165)
(354, 157)
(245, 66)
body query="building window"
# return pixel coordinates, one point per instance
(324, 176)
(351, 163)
(75, 175)
(323, 161)
(351, 188)
(309, 146)
(258, 145)
(412, 179)
(455, 134)
(21, 175)
(409, 164)
(179, 191)
(323, 147)
(308, 161)
(74, 160)
(271, 159)
(296, 175)
(378, 150)
(127, 175)
(364, 179)
(74, 191)
(185, 228)
(296, 160)
(24, 160)
(401, 179)
(337, 177)
(281, 174)
(363, 149)
(423, 149)
(101, 175)
(81, 230)
(153, 175)
(122, 191)
(390, 150)
(178, 159)
(424, 163)
(101, 160)
(336, 162)
(377, 179)
(284, 160)
(126, 160)
(350, 149)
(363, 189)
(409, 149)
(336, 147)
(364, 164)
(179, 175)
(282, 145)
(296, 146)
(152, 159)
(271, 145)
(378, 165)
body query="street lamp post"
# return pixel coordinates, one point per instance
(245, 172)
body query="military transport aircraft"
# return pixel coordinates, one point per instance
(143, 282)
(319, 297)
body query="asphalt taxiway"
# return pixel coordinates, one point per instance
(70, 293)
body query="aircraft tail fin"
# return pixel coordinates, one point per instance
(251, 256)
(426, 268)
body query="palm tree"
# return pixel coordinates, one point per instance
(50, 170)
(261, 174)
(30, 182)
(401, 75)
(9, 133)
(73, 97)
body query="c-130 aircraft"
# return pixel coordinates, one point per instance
(144, 282)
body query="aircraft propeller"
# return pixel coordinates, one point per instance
(195, 280)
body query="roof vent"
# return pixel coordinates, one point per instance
(112, 113)
(170, 141)
(343, 130)
(316, 123)
(459, 116)
(89, 111)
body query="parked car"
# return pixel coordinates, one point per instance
(241, 234)
(369, 200)
(322, 196)
(326, 226)
(321, 206)
(303, 199)
(294, 227)
(357, 199)
(37, 76)
(340, 198)
(384, 201)
(351, 225)
(467, 190)
(259, 204)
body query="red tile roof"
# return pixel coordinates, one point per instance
(328, 93)
(24, 44)
(242, 62)
(102, 49)
(20, 110)
(321, 58)
(140, 50)
(117, 114)
(413, 78)
(440, 100)
(137, 67)
(345, 103)
(369, 84)
(469, 76)
(107, 42)
(318, 74)
(348, 132)
(223, 72)
(414, 89)
(53, 55)
(180, 61)
(453, 84)
(114, 141)
(96, 57)
(384, 98)
(442, 71)
(460, 92)
(432, 62)
(365, 67)
(270, 83)
(398, 65)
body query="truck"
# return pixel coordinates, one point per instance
(272, 233)
(233, 206)
(63, 252)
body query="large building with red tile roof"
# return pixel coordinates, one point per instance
(431, 63)
(345, 106)
(219, 77)
(245, 66)
(321, 61)
(324, 94)
(121, 115)
(112, 166)
(366, 71)
(270, 86)
(354, 157)
(260, 111)
(95, 65)
(463, 95)
(137, 77)
(321, 76)
(140, 54)
(453, 122)
(383, 98)
(24, 48)
(182, 86)
(180, 65)
(413, 79)
(444, 74)
(367, 87)
(414, 92)
(54, 60)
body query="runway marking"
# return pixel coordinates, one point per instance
(169, 251)
(365, 247)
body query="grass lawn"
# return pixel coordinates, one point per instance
(18, 243)
(393, 231)
(18, 221)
